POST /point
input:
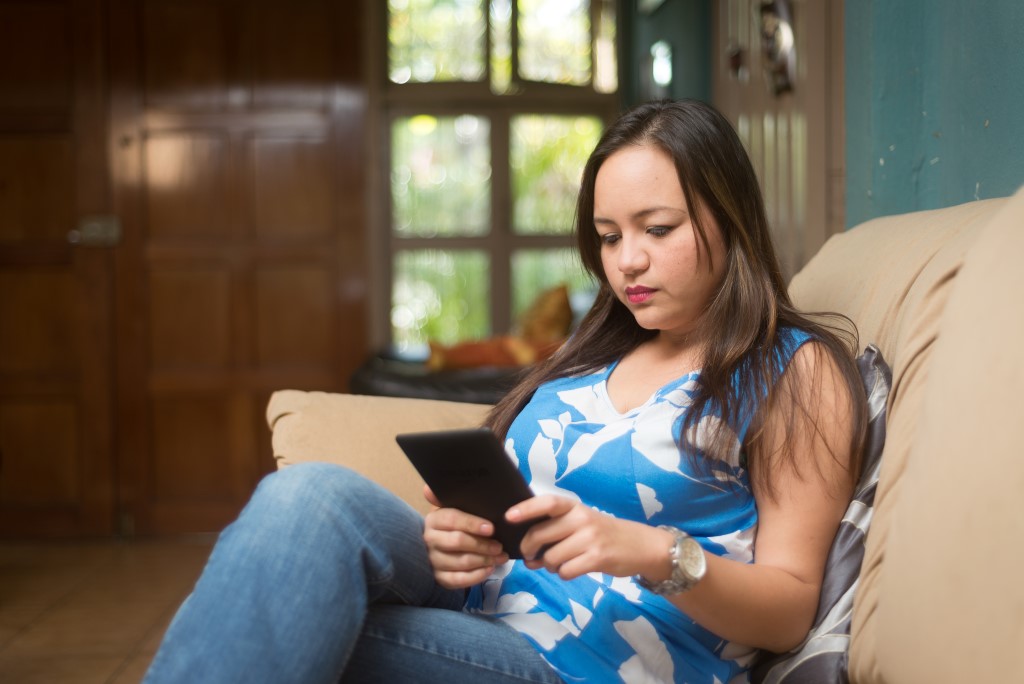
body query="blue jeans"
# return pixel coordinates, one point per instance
(324, 577)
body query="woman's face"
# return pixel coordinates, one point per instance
(649, 247)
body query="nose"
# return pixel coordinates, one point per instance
(633, 257)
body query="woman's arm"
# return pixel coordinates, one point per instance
(768, 604)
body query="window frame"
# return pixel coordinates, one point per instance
(390, 101)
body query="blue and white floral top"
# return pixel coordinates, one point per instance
(571, 441)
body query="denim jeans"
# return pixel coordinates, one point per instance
(324, 577)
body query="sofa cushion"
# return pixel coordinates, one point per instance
(359, 432)
(952, 580)
(892, 277)
(823, 656)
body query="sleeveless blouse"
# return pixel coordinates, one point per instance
(571, 441)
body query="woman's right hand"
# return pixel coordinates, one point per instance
(459, 546)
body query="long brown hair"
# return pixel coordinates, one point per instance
(740, 326)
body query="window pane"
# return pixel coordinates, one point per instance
(439, 295)
(554, 41)
(435, 40)
(440, 176)
(547, 157)
(535, 270)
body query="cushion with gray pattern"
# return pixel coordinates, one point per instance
(822, 657)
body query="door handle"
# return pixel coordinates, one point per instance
(96, 231)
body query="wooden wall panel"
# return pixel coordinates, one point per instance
(236, 161)
(186, 181)
(52, 112)
(295, 315)
(191, 448)
(189, 318)
(290, 54)
(41, 453)
(292, 190)
(185, 54)
(36, 56)
(38, 307)
(37, 187)
(202, 465)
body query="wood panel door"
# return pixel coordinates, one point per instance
(795, 138)
(237, 154)
(56, 456)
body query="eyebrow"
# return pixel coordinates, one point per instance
(643, 213)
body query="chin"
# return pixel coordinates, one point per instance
(647, 323)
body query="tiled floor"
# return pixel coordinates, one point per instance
(87, 612)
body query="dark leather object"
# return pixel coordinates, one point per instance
(389, 377)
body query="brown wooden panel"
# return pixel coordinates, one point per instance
(191, 449)
(56, 347)
(38, 310)
(40, 452)
(37, 190)
(185, 54)
(35, 56)
(289, 52)
(189, 317)
(294, 316)
(227, 124)
(186, 186)
(291, 188)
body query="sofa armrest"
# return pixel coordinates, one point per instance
(359, 432)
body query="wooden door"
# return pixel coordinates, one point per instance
(794, 138)
(56, 456)
(237, 155)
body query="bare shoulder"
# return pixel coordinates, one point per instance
(810, 424)
(807, 448)
(816, 383)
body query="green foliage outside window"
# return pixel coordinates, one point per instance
(547, 157)
(440, 175)
(435, 40)
(555, 42)
(439, 295)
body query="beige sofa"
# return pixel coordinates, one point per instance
(940, 293)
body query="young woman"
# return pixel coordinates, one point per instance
(693, 447)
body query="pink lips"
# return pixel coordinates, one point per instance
(639, 294)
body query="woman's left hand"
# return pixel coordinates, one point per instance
(581, 540)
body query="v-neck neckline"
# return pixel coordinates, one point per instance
(607, 397)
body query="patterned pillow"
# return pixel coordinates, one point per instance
(822, 657)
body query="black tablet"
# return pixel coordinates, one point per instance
(469, 470)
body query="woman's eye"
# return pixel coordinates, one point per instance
(658, 231)
(609, 239)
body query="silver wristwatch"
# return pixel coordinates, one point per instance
(688, 565)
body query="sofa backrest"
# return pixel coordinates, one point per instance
(893, 277)
(960, 514)
(359, 431)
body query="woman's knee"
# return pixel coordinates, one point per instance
(333, 490)
(308, 481)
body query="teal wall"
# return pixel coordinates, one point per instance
(934, 103)
(686, 26)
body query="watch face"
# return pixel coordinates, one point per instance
(691, 559)
(688, 566)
